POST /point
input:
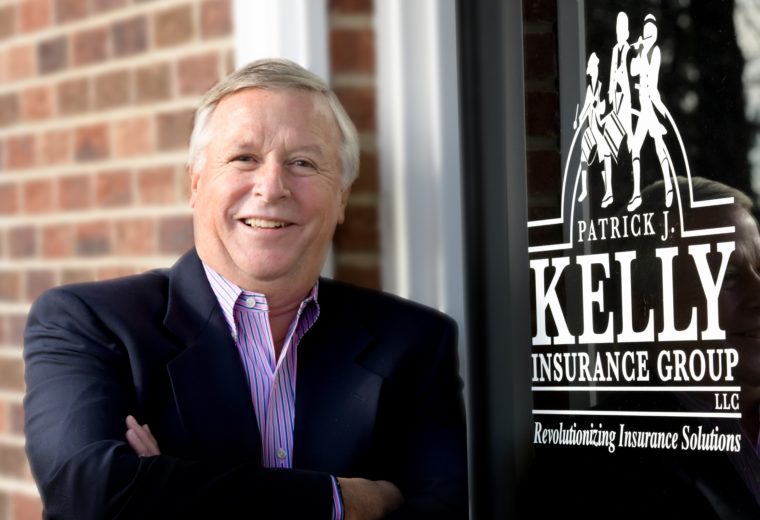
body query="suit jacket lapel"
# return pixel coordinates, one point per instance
(208, 381)
(336, 395)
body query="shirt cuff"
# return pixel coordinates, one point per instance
(337, 500)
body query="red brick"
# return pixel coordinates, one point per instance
(39, 196)
(104, 273)
(133, 137)
(91, 142)
(52, 55)
(75, 192)
(16, 418)
(134, 237)
(112, 89)
(92, 239)
(38, 281)
(216, 18)
(26, 507)
(20, 152)
(73, 96)
(544, 176)
(367, 181)
(540, 56)
(542, 113)
(107, 5)
(153, 83)
(10, 109)
(15, 330)
(90, 46)
(22, 241)
(113, 188)
(156, 186)
(352, 50)
(69, 10)
(4, 420)
(9, 202)
(540, 10)
(173, 26)
(7, 21)
(359, 233)
(10, 286)
(229, 65)
(175, 235)
(57, 241)
(56, 147)
(12, 457)
(35, 15)
(77, 275)
(359, 102)
(363, 276)
(173, 130)
(21, 62)
(184, 184)
(351, 6)
(129, 36)
(198, 73)
(37, 103)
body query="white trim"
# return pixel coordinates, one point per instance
(293, 29)
(420, 177)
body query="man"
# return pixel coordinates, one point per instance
(263, 390)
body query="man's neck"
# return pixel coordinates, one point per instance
(280, 319)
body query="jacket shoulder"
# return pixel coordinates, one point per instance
(378, 309)
(141, 291)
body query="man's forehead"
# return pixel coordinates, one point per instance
(297, 104)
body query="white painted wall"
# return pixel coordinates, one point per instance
(418, 128)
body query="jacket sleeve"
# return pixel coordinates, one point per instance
(432, 467)
(79, 392)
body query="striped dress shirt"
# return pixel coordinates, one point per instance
(272, 381)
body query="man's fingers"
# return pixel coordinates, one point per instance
(136, 444)
(140, 438)
(369, 500)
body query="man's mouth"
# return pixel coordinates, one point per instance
(264, 223)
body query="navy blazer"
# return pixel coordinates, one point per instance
(377, 396)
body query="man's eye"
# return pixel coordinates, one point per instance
(303, 163)
(244, 158)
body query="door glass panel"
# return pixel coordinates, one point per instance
(645, 262)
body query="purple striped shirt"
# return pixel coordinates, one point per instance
(272, 381)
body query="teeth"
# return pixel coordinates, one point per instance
(262, 223)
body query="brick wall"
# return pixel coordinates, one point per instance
(352, 62)
(96, 102)
(542, 109)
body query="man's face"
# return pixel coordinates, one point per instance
(269, 194)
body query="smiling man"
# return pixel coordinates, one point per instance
(250, 386)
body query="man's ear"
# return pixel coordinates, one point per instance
(194, 181)
(343, 201)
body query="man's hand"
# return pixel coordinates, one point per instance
(369, 499)
(140, 438)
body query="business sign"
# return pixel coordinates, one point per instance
(644, 279)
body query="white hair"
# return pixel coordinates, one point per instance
(274, 74)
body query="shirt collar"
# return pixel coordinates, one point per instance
(227, 293)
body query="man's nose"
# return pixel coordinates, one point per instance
(269, 182)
